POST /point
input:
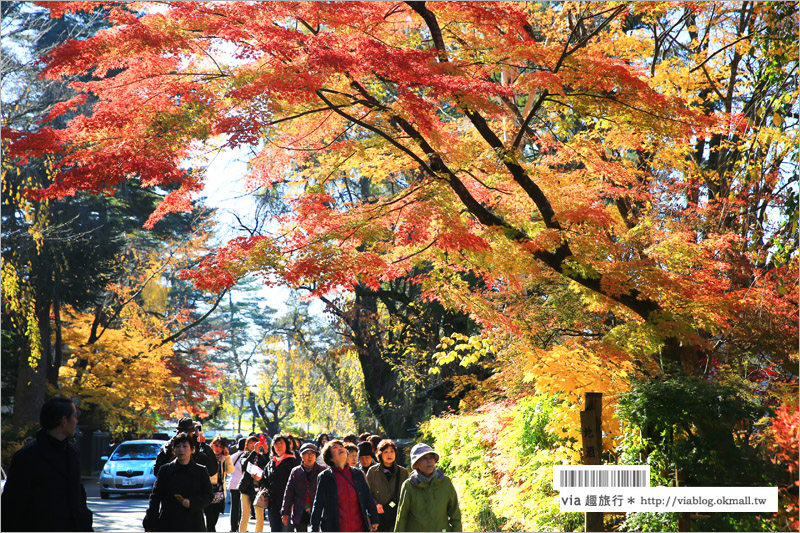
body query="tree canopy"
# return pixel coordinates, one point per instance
(608, 189)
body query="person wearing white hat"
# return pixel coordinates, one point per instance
(428, 499)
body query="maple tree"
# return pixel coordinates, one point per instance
(637, 160)
(80, 264)
(141, 356)
(572, 195)
(41, 240)
(786, 451)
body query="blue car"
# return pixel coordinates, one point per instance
(129, 470)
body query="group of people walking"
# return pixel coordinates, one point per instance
(187, 470)
(330, 485)
(353, 484)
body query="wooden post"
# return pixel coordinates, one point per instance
(684, 518)
(592, 438)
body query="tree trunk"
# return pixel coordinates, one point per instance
(32, 380)
(592, 435)
(379, 379)
(58, 347)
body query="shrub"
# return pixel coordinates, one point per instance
(501, 459)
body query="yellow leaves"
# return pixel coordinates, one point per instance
(325, 388)
(468, 349)
(154, 296)
(569, 371)
(20, 300)
(123, 373)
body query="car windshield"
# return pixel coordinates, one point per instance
(140, 450)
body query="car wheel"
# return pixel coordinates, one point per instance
(104, 495)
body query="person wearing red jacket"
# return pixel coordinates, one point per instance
(343, 501)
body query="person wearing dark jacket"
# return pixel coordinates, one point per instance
(366, 459)
(44, 490)
(251, 482)
(385, 480)
(342, 501)
(181, 492)
(203, 454)
(301, 489)
(277, 475)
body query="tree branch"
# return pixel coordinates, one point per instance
(195, 323)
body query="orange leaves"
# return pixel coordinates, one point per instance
(537, 81)
(179, 201)
(396, 157)
(785, 429)
(783, 434)
(462, 241)
(167, 64)
(222, 269)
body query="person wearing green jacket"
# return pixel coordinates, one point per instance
(428, 500)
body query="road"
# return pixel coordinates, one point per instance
(125, 513)
(118, 513)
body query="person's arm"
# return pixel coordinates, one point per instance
(211, 460)
(150, 521)
(228, 465)
(376, 480)
(453, 510)
(403, 508)
(371, 508)
(203, 494)
(267, 466)
(371, 482)
(319, 502)
(17, 493)
(84, 515)
(289, 496)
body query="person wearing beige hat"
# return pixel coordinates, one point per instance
(428, 499)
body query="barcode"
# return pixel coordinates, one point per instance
(600, 476)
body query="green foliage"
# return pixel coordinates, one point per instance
(650, 522)
(530, 425)
(501, 462)
(464, 457)
(687, 426)
(693, 423)
(736, 522)
(527, 497)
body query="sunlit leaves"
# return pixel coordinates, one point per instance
(125, 374)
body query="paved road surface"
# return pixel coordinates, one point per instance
(125, 513)
(118, 513)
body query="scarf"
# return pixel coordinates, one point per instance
(279, 460)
